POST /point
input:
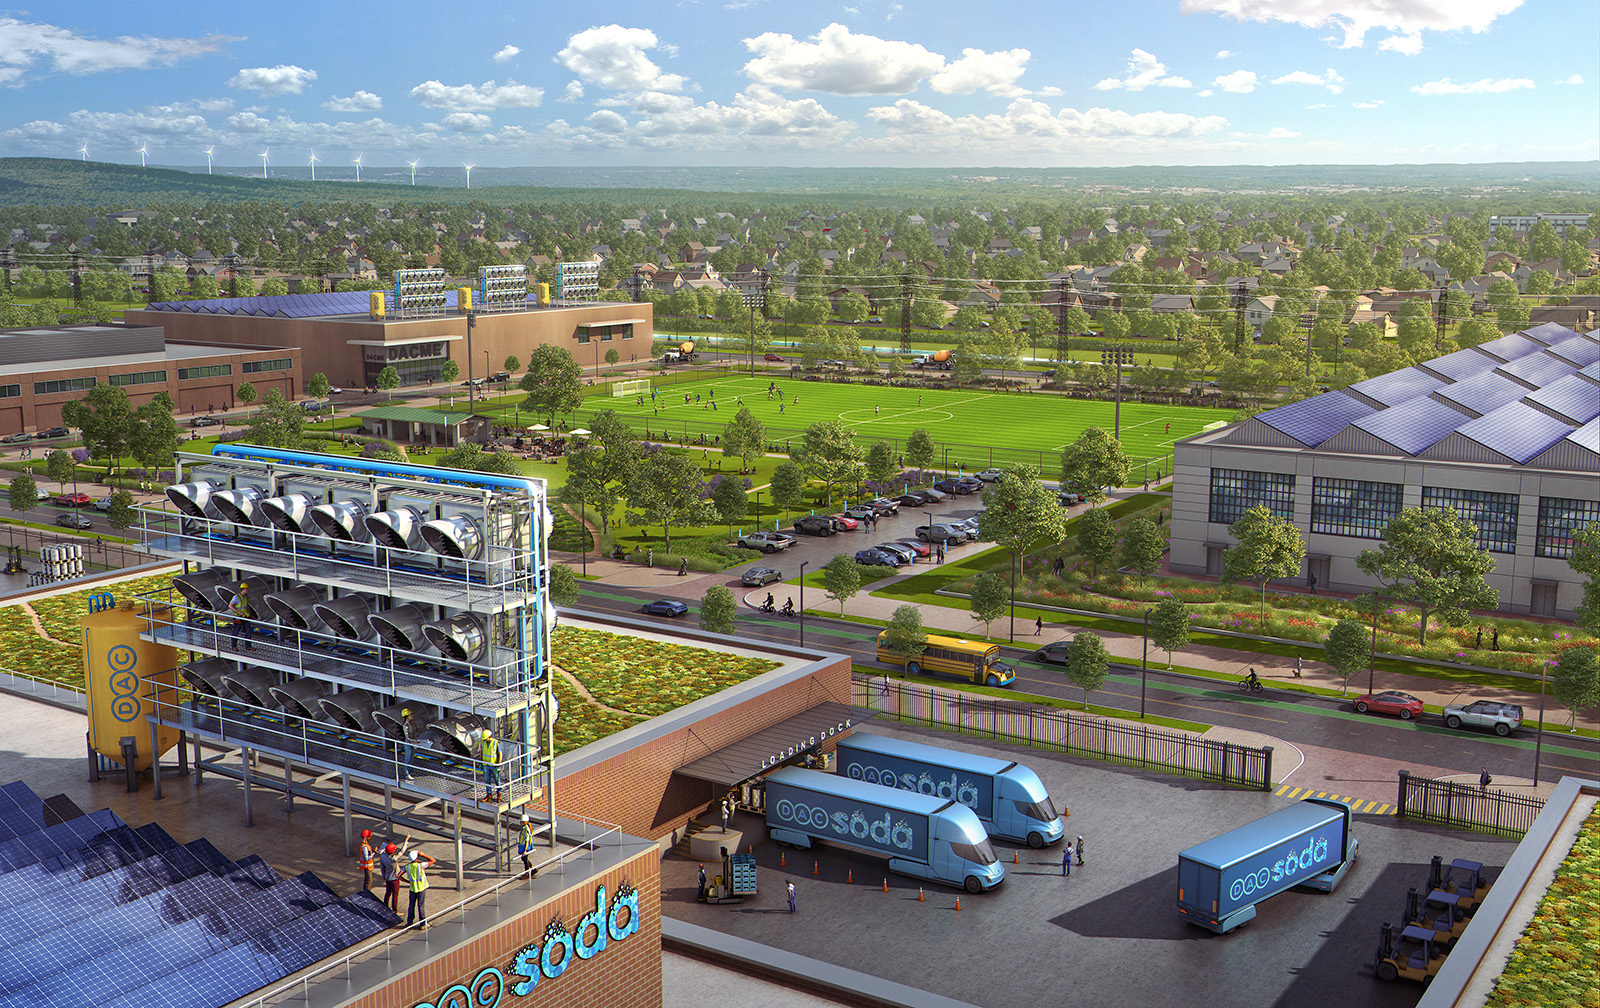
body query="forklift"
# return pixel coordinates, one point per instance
(1464, 879)
(1414, 956)
(1440, 912)
(14, 565)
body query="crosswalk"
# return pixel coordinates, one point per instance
(1360, 806)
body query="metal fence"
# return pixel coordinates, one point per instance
(1468, 806)
(1066, 731)
(98, 554)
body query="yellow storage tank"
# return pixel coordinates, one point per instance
(464, 299)
(122, 673)
(375, 304)
(544, 295)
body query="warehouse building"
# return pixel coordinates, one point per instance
(1507, 433)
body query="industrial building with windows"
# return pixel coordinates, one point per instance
(1507, 433)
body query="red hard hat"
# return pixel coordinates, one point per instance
(391, 849)
(366, 833)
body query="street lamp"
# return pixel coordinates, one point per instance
(472, 323)
(1013, 596)
(1372, 655)
(583, 530)
(1144, 673)
(803, 564)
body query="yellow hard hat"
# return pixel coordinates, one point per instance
(405, 712)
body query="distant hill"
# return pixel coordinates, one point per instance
(65, 182)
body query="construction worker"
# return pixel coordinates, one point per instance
(489, 752)
(417, 878)
(525, 844)
(367, 858)
(408, 731)
(240, 609)
(390, 862)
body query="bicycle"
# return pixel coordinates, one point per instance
(1248, 685)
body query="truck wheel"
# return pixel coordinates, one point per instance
(1502, 729)
(1387, 971)
(993, 680)
(1452, 722)
(1035, 840)
(913, 668)
(973, 885)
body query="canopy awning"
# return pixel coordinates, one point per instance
(753, 755)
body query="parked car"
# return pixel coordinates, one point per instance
(74, 521)
(916, 546)
(1054, 654)
(16, 438)
(947, 534)
(73, 499)
(948, 486)
(51, 432)
(844, 523)
(755, 577)
(666, 607)
(972, 484)
(932, 496)
(774, 357)
(884, 505)
(877, 558)
(989, 475)
(1068, 498)
(1390, 702)
(335, 390)
(1049, 373)
(104, 503)
(913, 499)
(898, 549)
(817, 525)
(1504, 718)
(473, 383)
(970, 524)
(497, 376)
(861, 512)
(313, 406)
(766, 542)
(43, 494)
(205, 421)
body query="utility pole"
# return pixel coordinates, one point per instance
(1063, 338)
(1238, 317)
(77, 280)
(1439, 314)
(905, 313)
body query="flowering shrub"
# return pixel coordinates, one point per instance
(1555, 962)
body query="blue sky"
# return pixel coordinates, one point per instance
(771, 82)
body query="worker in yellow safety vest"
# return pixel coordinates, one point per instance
(367, 858)
(240, 610)
(489, 752)
(417, 878)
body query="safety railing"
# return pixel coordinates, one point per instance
(1468, 806)
(23, 684)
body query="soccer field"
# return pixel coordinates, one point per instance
(977, 427)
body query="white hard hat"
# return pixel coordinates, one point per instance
(526, 819)
(413, 855)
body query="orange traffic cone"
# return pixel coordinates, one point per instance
(920, 897)
(958, 904)
(815, 868)
(850, 877)
(783, 859)
(1016, 858)
(885, 885)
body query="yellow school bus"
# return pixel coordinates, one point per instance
(974, 661)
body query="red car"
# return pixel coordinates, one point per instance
(916, 546)
(844, 523)
(1390, 702)
(73, 499)
(774, 357)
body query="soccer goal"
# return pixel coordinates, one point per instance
(631, 387)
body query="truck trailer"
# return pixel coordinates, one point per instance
(1010, 800)
(932, 838)
(1307, 844)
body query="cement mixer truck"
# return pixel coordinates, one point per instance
(684, 354)
(941, 359)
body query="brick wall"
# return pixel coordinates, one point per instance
(626, 975)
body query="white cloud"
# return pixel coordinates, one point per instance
(1445, 86)
(1408, 44)
(506, 53)
(1375, 103)
(467, 122)
(361, 101)
(470, 98)
(1032, 124)
(1330, 80)
(996, 71)
(838, 61)
(1224, 53)
(26, 46)
(1238, 82)
(1574, 79)
(573, 92)
(1144, 70)
(758, 114)
(607, 121)
(269, 81)
(613, 57)
(1357, 17)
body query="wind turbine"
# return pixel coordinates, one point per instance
(469, 168)
(314, 160)
(84, 152)
(143, 150)
(264, 163)
(413, 165)
(209, 151)
(358, 166)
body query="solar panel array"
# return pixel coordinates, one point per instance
(1417, 409)
(106, 915)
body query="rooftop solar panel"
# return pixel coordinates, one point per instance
(1580, 350)
(1483, 393)
(286, 305)
(1549, 332)
(1574, 397)
(1397, 387)
(31, 860)
(1414, 426)
(1461, 365)
(1538, 369)
(1516, 430)
(1313, 421)
(1587, 436)
(1509, 348)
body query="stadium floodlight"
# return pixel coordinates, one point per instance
(469, 168)
(358, 158)
(209, 152)
(413, 165)
(314, 160)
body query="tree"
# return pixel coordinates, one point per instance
(744, 438)
(719, 611)
(1142, 546)
(1575, 681)
(881, 465)
(1020, 512)
(563, 585)
(553, 383)
(904, 635)
(599, 471)
(788, 485)
(513, 364)
(989, 598)
(155, 436)
(23, 492)
(275, 287)
(389, 378)
(318, 386)
(1585, 560)
(278, 424)
(1265, 547)
(1346, 650)
(665, 491)
(449, 371)
(1169, 627)
(59, 466)
(968, 364)
(1097, 539)
(920, 449)
(612, 357)
(470, 457)
(841, 579)
(828, 452)
(247, 393)
(104, 416)
(1088, 662)
(119, 512)
(728, 497)
(1429, 558)
(1093, 463)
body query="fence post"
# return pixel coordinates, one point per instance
(1266, 775)
(1400, 802)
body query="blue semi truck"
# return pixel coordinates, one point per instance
(1307, 844)
(932, 838)
(1009, 799)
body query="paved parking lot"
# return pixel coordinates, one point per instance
(1108, 935)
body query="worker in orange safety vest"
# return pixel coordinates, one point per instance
(367, 858)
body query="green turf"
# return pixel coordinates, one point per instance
(979, 427)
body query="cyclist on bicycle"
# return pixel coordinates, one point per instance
(1251, 680)
(788, 607)
(767, 606)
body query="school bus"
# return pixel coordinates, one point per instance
(973, 661)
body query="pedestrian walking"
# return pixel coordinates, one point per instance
(367, 858)
(1079, 845)
(1038, 626)
(241, 611)
(489, 752)
(1479, 645)
(650, 556)
(941, 552)
(1494, 640)
(700, 891)
(791, 897)
(1297, 666)
(1066, 860)
(1484, 780)
(417, 877)
(525, 844)
(389, 861)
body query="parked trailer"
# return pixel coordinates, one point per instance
(931, 838)
(1307, 844)
(1010, 800)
